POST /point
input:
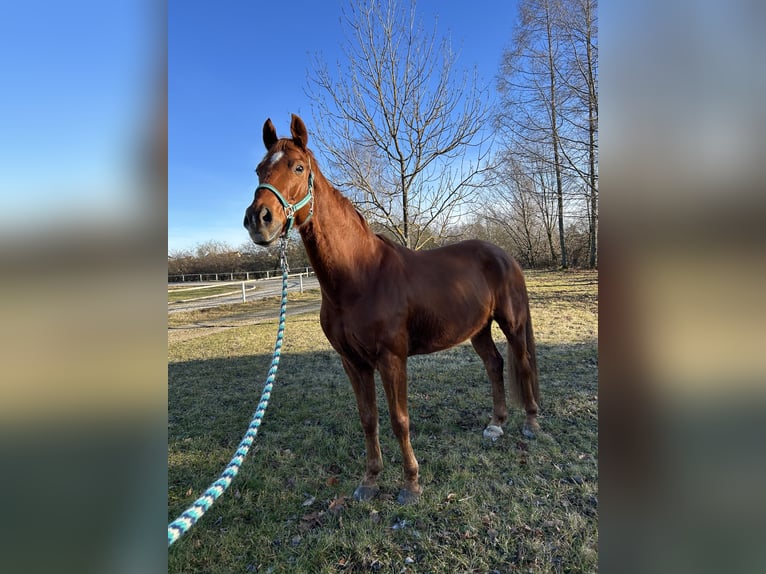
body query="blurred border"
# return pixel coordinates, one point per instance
(82, 297)
(682, 362)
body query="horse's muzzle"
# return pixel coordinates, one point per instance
(261, 224)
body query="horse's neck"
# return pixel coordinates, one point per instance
(338, 242)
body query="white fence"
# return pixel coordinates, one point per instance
(239, 287)
(233, 276)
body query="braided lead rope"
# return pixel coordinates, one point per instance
(191, 515)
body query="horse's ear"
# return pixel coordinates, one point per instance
(298, 130)
(269, 134)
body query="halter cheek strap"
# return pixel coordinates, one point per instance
(292, 208)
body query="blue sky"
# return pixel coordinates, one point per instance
(231, 65)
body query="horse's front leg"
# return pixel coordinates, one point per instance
(393, 373)
(363, 382)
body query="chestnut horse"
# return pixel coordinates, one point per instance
(382, 302)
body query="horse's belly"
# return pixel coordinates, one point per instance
(426, 347)
(429, 334)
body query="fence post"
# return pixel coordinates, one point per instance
(244, 300)
(301, 278)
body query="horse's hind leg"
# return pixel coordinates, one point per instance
(493, 361)
(523, 369)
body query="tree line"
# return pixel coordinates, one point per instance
(221, 257)
(431, 155)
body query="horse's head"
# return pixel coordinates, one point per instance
(285, 185)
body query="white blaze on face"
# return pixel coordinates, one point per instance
(273, 158)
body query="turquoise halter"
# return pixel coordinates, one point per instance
(292, 208)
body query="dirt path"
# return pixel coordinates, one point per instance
(203, 328)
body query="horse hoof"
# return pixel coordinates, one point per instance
(407, 497)
(365, 492)
(493, 432)
(529, 431)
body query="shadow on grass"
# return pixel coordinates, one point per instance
(215, 398)
(310, 453)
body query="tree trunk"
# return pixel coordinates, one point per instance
(556, 142)
(592, 127)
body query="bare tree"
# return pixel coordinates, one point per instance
(546, 198)
(580, 24)
(533, 93)
(524, 207)
(521, 220)
(400, 129)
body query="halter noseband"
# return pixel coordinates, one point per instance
(292, 208)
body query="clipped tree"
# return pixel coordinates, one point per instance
(579, 23)
(533, 95)
(548, 112)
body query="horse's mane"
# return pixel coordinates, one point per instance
(342, 200)
(387, 240)
(347, 205)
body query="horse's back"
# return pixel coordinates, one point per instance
(472, 260)
(453, 291)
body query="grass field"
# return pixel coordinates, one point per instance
(511, 506)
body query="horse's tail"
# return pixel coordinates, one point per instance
(532, 353)
(522, 361)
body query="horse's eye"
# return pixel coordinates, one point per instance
(298, 169)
